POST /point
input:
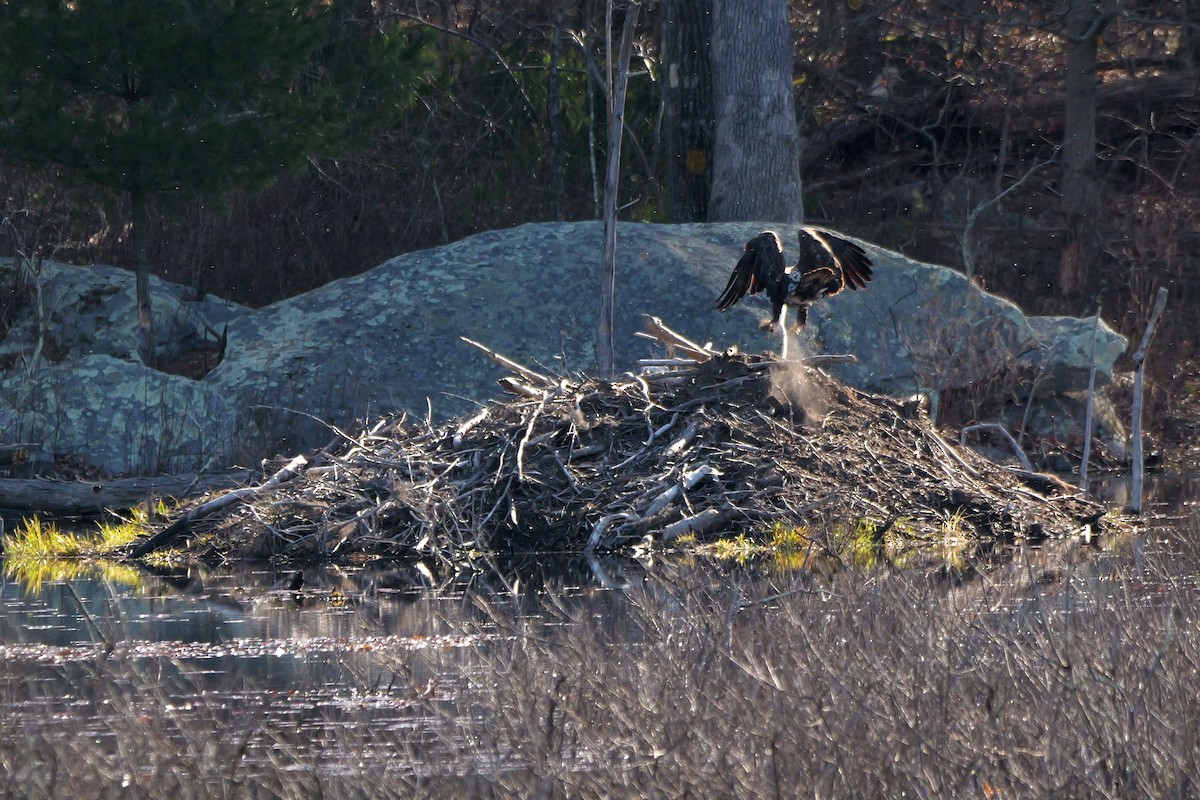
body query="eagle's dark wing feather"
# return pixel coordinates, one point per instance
(821, 250)
(760, 268)
(856, 264)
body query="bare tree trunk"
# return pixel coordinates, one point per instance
(756, 143)
(1139, 368)
(140, 221)
(605, 356)
(1080, 191)
(686, 30)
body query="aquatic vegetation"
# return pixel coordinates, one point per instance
(38, 552)
(35, 539)
(740, 549)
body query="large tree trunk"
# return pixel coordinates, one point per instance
(756, 143)
(686, 29)
(1080, 192)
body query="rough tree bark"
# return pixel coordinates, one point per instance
(685, 33)
(756, 142)
(1080, 190)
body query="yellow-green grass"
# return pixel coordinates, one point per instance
(38, 551)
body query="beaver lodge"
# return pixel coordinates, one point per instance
(700, 444)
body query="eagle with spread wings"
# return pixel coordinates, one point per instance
(826, 265)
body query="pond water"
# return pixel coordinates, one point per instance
(349, 648)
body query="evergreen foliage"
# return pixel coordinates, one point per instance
(159, 96)
(202, 95)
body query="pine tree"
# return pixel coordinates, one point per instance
(146, 97)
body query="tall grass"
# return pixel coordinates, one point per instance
(38, 552)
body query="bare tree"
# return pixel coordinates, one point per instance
(756, 142)
(616, 80)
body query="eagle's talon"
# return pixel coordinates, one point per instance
(767, 325)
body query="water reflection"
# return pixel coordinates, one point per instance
(234, 652)
(216, 610)
(1172, 494)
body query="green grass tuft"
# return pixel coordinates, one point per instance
(39, 551)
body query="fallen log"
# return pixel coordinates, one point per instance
(168, 535)
(87, 498)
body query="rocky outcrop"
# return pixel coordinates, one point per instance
(117, 415)
(93, 311)
(389, 339)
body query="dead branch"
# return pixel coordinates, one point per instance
(705, 522)
(655, 329)
(170, 534)
(1003, 431)
(522, 370)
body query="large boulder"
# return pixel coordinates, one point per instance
(116, 415)
(1062, 361)
(390, 339)
(93, 311)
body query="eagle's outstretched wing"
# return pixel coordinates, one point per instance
(760, 268)
(821, 249)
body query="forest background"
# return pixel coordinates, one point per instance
(1048, 149)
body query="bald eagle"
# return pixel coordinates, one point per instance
(826, 265)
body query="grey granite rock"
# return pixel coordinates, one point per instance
(1063, 362)
(117, 415)
(389, 339)
(93, 311)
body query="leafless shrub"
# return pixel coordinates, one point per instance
(1067, 671)
(1073, 678)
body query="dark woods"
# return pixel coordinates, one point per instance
(1047, 148)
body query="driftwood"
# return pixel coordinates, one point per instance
(84, 498)
(707, 444)
(170, 534)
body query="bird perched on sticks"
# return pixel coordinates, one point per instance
(826, 265)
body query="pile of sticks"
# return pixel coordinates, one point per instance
(696, 442)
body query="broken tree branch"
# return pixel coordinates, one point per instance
(168, 535)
